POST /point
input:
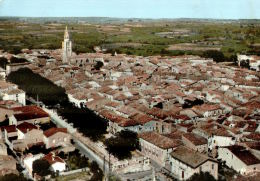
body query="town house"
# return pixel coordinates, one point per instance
(28, 135)
(195, 142)
(240, 159)
(157, 147)
(186, 162)
(30, 114)
(55, 137)
(57, 164)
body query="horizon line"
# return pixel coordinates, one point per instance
(129, 17)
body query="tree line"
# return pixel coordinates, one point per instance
(87, 122)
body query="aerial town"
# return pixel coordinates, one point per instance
(189, 114)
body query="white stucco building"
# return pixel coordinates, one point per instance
(57, 164)
(157, 147)
(11, 92)
(240, 159)
(186, 162)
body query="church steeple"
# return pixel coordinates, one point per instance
(66, 34)
(66, 47)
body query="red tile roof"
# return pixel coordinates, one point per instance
(29, 112)
(253, 136)
(53, 131)
(195, 139)
(159, 140)
(244, 155)
(51, 158)
(9, 129)
(26, 127)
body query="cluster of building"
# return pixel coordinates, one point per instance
(23, 127)
(189, 112)
(177, 105)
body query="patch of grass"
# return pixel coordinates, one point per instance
(76, 176)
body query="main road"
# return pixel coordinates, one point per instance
(85, 150)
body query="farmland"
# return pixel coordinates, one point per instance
(139, 38)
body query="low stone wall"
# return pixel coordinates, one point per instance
(74, 171)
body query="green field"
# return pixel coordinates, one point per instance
(139, 38)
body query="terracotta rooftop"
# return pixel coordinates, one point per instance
(176, 134)
(206, 107)
(53, 131)
(9, 129)
(29, 112)
(253, 145)
(159, 140)
(51, 158)
(244, 155)
(195, 139)
(26, 127)
(189, 157)
(253, 136)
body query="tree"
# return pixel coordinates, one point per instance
(97, 172)
(35, 85)
(84, 119)
(76, 161)
(233, 58)
(13, 177)
(190, 104)
(122, 144)
(98, 65)
(216, 55)
(245, 64)
(18, 60)
(114, 178)
(41, 167)
(3, 62)
(202, 176)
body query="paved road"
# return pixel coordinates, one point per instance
(78, 144)
(84, 149)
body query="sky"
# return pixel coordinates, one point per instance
(216, 9)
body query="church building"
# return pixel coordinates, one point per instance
(66, 47)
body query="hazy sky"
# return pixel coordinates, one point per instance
(221, 9)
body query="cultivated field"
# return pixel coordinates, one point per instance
(139, 38)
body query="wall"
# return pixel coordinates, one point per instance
(57, 139)
(153, 152)
(58, 167)
(44, 120)
(15, 97)
(235, 163)
(220, 141)
(178, 167)
(199, 148)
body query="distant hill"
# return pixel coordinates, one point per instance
(107, 20)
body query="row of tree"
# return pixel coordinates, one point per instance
(122, 144)
(218, 56)
(35, 85)
(87, 122)
(84, 119)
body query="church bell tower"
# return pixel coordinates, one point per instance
(66, 47)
